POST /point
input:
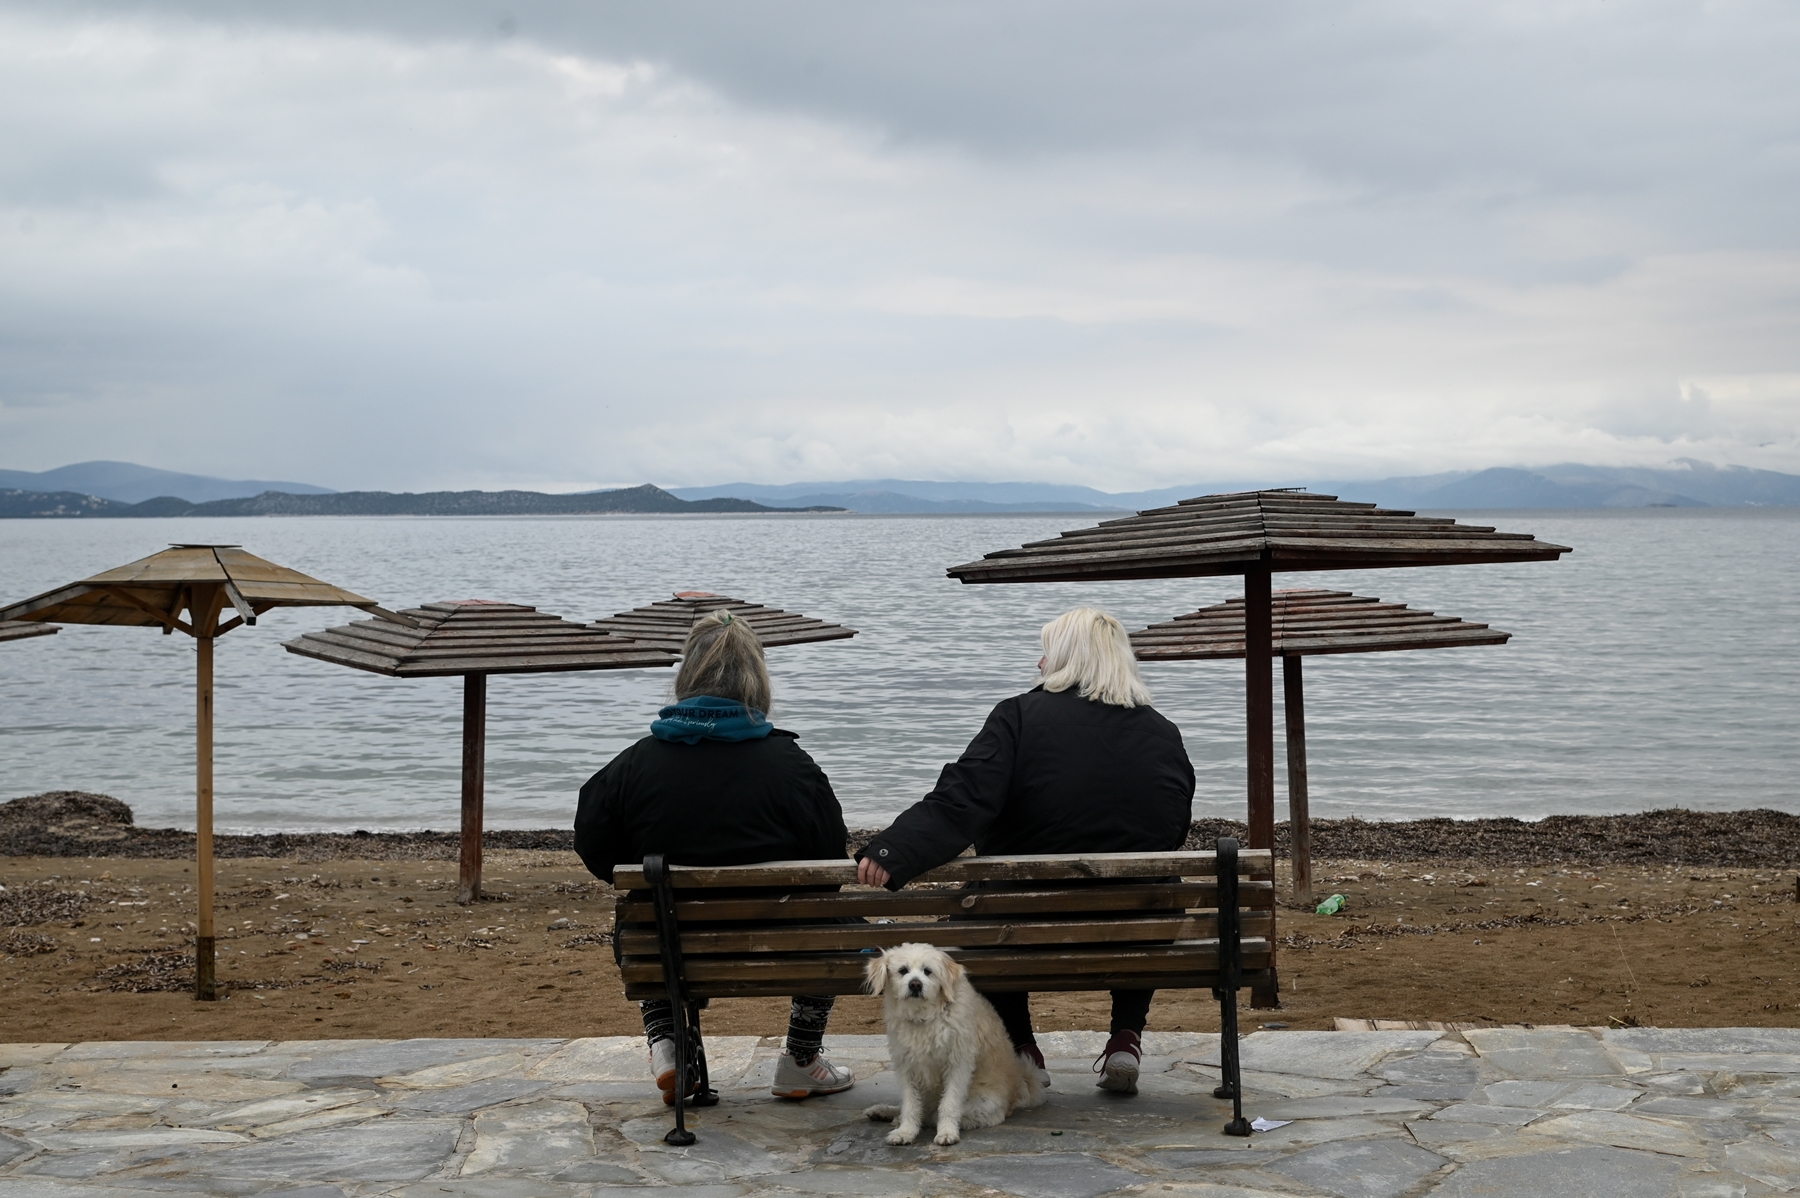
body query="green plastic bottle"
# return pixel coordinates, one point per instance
(1332, 905)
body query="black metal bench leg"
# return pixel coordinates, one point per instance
(668, 935)
(704, 1094)
(1231, 961)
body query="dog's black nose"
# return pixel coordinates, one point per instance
(916, 986)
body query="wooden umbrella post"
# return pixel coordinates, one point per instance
(152, 592)
(1259, 712)
(205, 980)
(1299, 814)
(474, 766)
(470, 639)
(1259, 705)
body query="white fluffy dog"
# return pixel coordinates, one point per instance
(948, 1046)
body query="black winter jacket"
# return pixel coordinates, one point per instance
(714, 803)
(1050, 773)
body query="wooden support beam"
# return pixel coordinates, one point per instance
(166, 619)
(245, 612)
(204, 602)
(205, 985)
(1299, 814)
(1259, 706)
(474, 769)
(1259, 730)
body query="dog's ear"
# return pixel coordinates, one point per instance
(875, 973)
(953, 972)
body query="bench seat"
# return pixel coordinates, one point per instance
(1133, 921)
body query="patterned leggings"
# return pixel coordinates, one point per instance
(807, 1017)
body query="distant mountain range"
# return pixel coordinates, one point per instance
(64, 504)
(128, 482)
(1687, 483)
(127, 489)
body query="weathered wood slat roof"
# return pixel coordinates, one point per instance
(668, 622)
(475, 637)
(18, 630)
(1307, 623)
(1225, 534)
(162, 581)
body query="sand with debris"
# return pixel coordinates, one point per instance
(1670, 918)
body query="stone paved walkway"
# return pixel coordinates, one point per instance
(1547, 1113)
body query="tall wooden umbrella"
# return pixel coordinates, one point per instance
(18, 630)
(668, 621)
(472, 639)
(202, 580)
(1256, 534)
(1306, 623)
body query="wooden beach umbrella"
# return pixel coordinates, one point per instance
(1306, 623)
(203, 581)
(472, 639)
(18, 630)
(1256, 534)
(668, 621)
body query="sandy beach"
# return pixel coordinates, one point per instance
(1557, 922)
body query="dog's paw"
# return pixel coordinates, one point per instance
(883, 1113)
(901, 1135)
(948, 1135)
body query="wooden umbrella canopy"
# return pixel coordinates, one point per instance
(202, 580)
(474, 638)
(1255, 534)
(18, 630)
(668, 622)
(1306, 623)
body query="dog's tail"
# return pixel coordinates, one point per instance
(883, 1113)
(1027, 1090)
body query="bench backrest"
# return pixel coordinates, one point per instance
(1015, 923)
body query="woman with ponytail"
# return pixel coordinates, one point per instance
(715, 783)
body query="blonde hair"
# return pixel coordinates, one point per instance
(1088, 649)
(724, 658)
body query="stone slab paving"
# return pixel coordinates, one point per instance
(1544, 1113)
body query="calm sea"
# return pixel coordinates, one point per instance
(1657, 666)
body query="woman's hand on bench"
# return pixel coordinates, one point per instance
(871, 874)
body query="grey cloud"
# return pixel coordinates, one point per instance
(1522, 96)
(1092, 241)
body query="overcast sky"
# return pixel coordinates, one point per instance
(1121, 244)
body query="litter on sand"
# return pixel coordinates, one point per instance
(1268, 1124)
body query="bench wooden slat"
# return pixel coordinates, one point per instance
(964, 933)
(799, 968)
(1049, 867)
(777, 988)
(636, 908)
(843, 973)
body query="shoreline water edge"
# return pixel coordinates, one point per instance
(81, 825)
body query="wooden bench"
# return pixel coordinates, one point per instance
(1181, 920)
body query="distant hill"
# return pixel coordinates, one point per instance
(1687, 483)
(911, 496)
(128, 482)
(894, 503)
(644, 499)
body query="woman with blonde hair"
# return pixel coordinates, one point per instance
(1081, 763)
(715, 783)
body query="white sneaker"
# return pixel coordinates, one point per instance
(820, 1077)
(1118, 1064)
(1033, 1059)
(662, 1067)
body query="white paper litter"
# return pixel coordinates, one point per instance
(1268, 1124)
